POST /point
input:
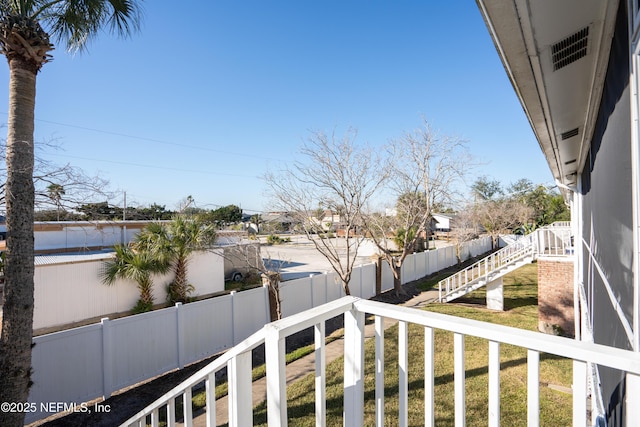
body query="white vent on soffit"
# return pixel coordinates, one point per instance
(570, 49)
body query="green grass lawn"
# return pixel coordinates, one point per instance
(520, 311)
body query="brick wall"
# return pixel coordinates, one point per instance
(555, 296)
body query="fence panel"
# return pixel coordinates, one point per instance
(452, 259)
(335, 289)
(250, 312)
(421, 265)
(203, 332)
(368, 275)
(387, 277)
(465, 252)
(408, 269)
(319, 289)
(60, 375)
(295, 296)
(432, 262)
(355, 284)
(141, 347)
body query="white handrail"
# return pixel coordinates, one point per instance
(554, 240)
(355, 311)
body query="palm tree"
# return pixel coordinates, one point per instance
(26, 44)
(137, 266)
(56, 191)
(173, 243)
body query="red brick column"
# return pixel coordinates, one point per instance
(555, 296)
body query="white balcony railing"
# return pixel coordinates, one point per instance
(238, 363)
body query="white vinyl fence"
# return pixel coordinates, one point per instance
(85, 363)
(82, 364)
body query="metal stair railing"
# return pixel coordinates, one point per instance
(552, 240)
(484, 269)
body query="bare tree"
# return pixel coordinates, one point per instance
(465, 229)
(67, 187)
(337, 175)
(502, 215)
(249, 256)
(497, 212)
(56, 191)
(270, 273)
(185, 204)
(61, 187)
(426, 171)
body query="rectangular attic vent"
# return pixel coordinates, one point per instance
(569, 134)
(570, 49)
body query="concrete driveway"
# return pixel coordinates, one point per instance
(300, 258)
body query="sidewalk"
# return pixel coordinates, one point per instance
(306, 365)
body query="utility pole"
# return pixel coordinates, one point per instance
(124, 218)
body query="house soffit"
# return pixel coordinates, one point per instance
(555, 54)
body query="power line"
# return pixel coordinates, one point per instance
(157, 141)
(139, 165)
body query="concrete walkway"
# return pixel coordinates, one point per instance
(306, 365)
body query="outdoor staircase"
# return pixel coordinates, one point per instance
(553, 240)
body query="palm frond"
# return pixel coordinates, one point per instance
(76, 22)
(131, 265)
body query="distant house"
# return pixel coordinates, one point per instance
(442, 222)
(277, 222)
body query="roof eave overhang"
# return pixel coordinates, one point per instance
(554, 101)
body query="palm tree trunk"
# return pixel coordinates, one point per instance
(17, 321)
(146, 291)
(180, 281)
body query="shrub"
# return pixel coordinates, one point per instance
(142, 307)
(174, 295)
(273, 239)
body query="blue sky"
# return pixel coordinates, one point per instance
(210, 95)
